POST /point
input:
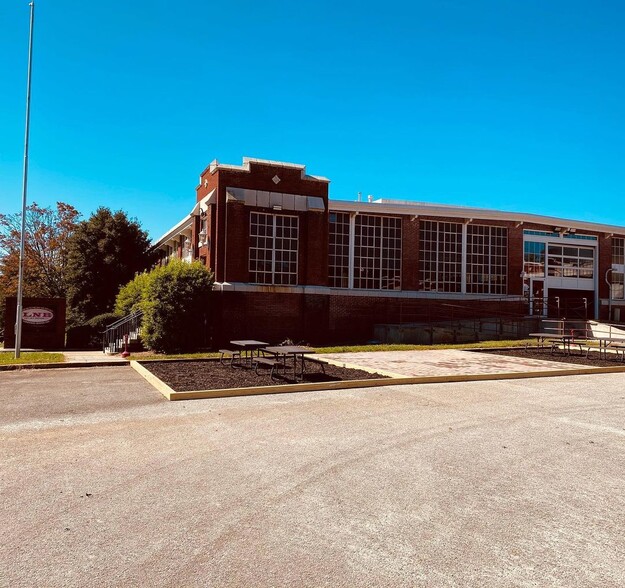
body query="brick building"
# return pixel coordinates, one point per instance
(289, 262)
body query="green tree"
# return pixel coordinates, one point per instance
(46, 238)
(176, 306)
(132, 294)
(104, 252)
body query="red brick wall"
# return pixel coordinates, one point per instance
(316, 244)
(258, 315)
(313, 258)
(605, 262)
(515, 259)
(352, 317)
(319, 319)
(235, 257)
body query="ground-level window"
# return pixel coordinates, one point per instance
(487, 259)
(377, 252)
(570, 262)
(338, 260)
(273, 248)
(440, 256)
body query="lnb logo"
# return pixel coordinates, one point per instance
(37, 316)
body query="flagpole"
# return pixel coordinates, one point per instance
(20, 279)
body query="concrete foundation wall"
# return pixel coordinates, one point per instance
(459, 331)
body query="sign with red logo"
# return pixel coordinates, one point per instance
(36, 315)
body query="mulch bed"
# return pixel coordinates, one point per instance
(184, 376)
(592, 360)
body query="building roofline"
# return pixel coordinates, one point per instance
(214, 165)
(466, 212)
(185, 223)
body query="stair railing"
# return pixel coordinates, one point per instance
(114, 335)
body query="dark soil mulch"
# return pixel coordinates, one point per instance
(183, 376)
(592, 360)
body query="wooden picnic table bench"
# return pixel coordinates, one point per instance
(294, 351)
(619, 347)
(554, 340)
(268, 362)
(248, 347)
(229, 353)
(605, 343)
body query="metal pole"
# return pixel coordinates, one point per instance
(609, 283)
(20, 279)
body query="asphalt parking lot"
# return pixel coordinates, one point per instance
(504, 483)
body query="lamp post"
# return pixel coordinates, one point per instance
(20, 277)
(609, 283)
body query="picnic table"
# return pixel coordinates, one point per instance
(293, 351)
(617, 343)
(554, 339)
(248, 346)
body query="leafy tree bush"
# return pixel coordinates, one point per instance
(176, 306)
(89, 334)
(46, 237)
(132, 294)
(105, 251)
(101, 321)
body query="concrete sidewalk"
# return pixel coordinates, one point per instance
(91, 357)
(445, 362)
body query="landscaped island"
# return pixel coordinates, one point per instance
(210, 374)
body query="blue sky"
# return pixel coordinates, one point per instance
(504, 104)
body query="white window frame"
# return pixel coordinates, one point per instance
(273, 238)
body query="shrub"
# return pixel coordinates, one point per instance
(89, 334)
(176, 303)
(101, 321)
(79, 337)
(131, 296)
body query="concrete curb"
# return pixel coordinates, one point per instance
(393, 380)
(163, 388)
(50, 366)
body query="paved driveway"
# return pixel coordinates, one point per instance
(511, 483)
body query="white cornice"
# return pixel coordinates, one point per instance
(185, 224)
(356, 292)
(245, 167)
(417, 209)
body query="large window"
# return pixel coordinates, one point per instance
(618, 268)
(440, 256)
(570, 262)
(534, 259)
(487, 259)
(273, 248)
(338, 261)
(377, 252)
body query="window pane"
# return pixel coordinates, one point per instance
(617, 285)
(534, 259)
(618, 251)
(440, 256)
(487, 259)
(377, 252)
(273, 260)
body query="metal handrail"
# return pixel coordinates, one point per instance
(115, 334)
(122, 320)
